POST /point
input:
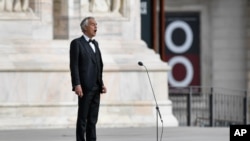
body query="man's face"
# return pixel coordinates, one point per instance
(91, 28)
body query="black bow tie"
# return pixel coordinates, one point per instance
(90, 40)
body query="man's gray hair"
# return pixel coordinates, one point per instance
(85, 22)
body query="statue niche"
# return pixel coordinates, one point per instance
(14, 5)
(105, 6)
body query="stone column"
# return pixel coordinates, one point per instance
(228, 43)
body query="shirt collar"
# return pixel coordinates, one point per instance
(86, 37)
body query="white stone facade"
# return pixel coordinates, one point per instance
(34, 70)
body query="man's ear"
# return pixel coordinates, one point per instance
(84, 29)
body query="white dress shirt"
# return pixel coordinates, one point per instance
(90, 43)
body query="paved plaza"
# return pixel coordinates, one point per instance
(120, 134)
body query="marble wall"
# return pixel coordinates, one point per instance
(34, 70)
(44, 99)
(36, 89)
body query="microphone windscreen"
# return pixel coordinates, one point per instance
(140, 63)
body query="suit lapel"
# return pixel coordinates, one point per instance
(98, 51)
(87, 48)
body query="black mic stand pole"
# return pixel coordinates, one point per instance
(158, 113)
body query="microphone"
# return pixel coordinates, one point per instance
(157, 107)
(140, 63)
(156, 104)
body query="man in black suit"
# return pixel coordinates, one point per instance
(86, 68)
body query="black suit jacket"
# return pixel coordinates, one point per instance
(83, 65)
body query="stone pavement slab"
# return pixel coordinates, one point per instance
(120, 134)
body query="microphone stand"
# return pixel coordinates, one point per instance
(158, 113)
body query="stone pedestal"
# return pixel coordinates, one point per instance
(36, 89)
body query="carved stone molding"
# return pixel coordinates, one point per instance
(14, 5)
(19, 9)
(117, 9)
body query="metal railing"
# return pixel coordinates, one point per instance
(203, 106)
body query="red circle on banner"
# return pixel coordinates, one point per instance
(179, 72)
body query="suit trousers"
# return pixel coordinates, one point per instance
(88, 109)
